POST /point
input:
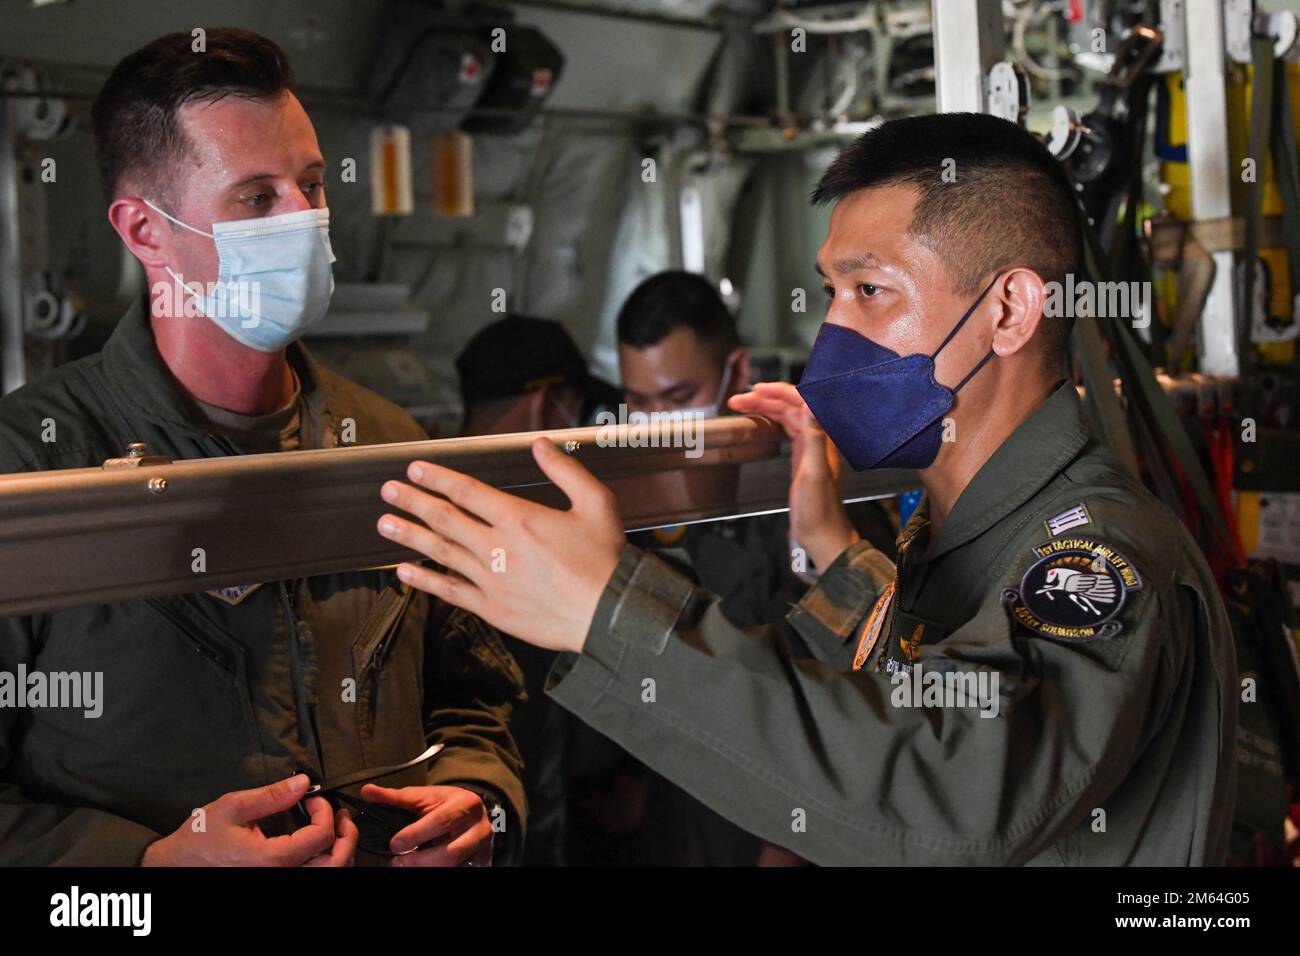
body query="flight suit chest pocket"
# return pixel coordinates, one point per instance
(218, 685)
(176, 727)
(375, 647)
(209, 641)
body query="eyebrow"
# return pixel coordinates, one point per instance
(865, 260)
(254, 177)
(663, 392)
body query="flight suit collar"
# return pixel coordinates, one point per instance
(1044, 443)
(140, 375)
(916, 530)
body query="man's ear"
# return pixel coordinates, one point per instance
(535, 404)
(1020, 296)
(739, 375)
(140, 231)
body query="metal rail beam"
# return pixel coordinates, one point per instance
(87, 536)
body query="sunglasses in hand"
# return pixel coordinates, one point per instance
(377, 823)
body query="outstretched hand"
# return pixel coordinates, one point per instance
(531, 571)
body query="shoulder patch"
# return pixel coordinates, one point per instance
(1070, 518)
(1074, 590)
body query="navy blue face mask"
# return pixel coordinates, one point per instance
(881, 409)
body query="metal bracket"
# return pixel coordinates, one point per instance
(1173, 25)
(1008, 92)
(1238, 19)
(1135, 56)
(137, 454)
(1067, 131)
(1282, 27)
(1241, 23)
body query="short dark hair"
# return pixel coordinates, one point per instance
(138, 134)
(1008, 201)
(670, 300)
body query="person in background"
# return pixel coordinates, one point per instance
(523, 374)
(679, 352)
(526, 374)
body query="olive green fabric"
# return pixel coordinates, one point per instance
(1113, 750)
(274, 431)
(203, 696)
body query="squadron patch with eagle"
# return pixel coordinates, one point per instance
(1074, 591)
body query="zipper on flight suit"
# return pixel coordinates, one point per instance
(900, 565)
(306, 712)
(202, 643)
(383, 622)
(379, 632)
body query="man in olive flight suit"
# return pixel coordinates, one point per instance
(214, 700)
(1046, 677)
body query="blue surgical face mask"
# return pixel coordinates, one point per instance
(881, 409)
(274, 279)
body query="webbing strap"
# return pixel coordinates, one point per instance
(1099, 393)
(1153, 405)
(1286, 169)
(1258, 147)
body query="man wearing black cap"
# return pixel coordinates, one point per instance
(522, 374)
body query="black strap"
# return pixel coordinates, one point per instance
(971, 374)
(1099, 393)
(1148, 399)
(371, 773)
(962, 321)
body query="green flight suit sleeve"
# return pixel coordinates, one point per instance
(831, 614)
(33, 833)
(822, 761)
(474, 683)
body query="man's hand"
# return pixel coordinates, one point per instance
(346, 835)
(818, 520)
(453, 816)
(230, 835)
(530, 571)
